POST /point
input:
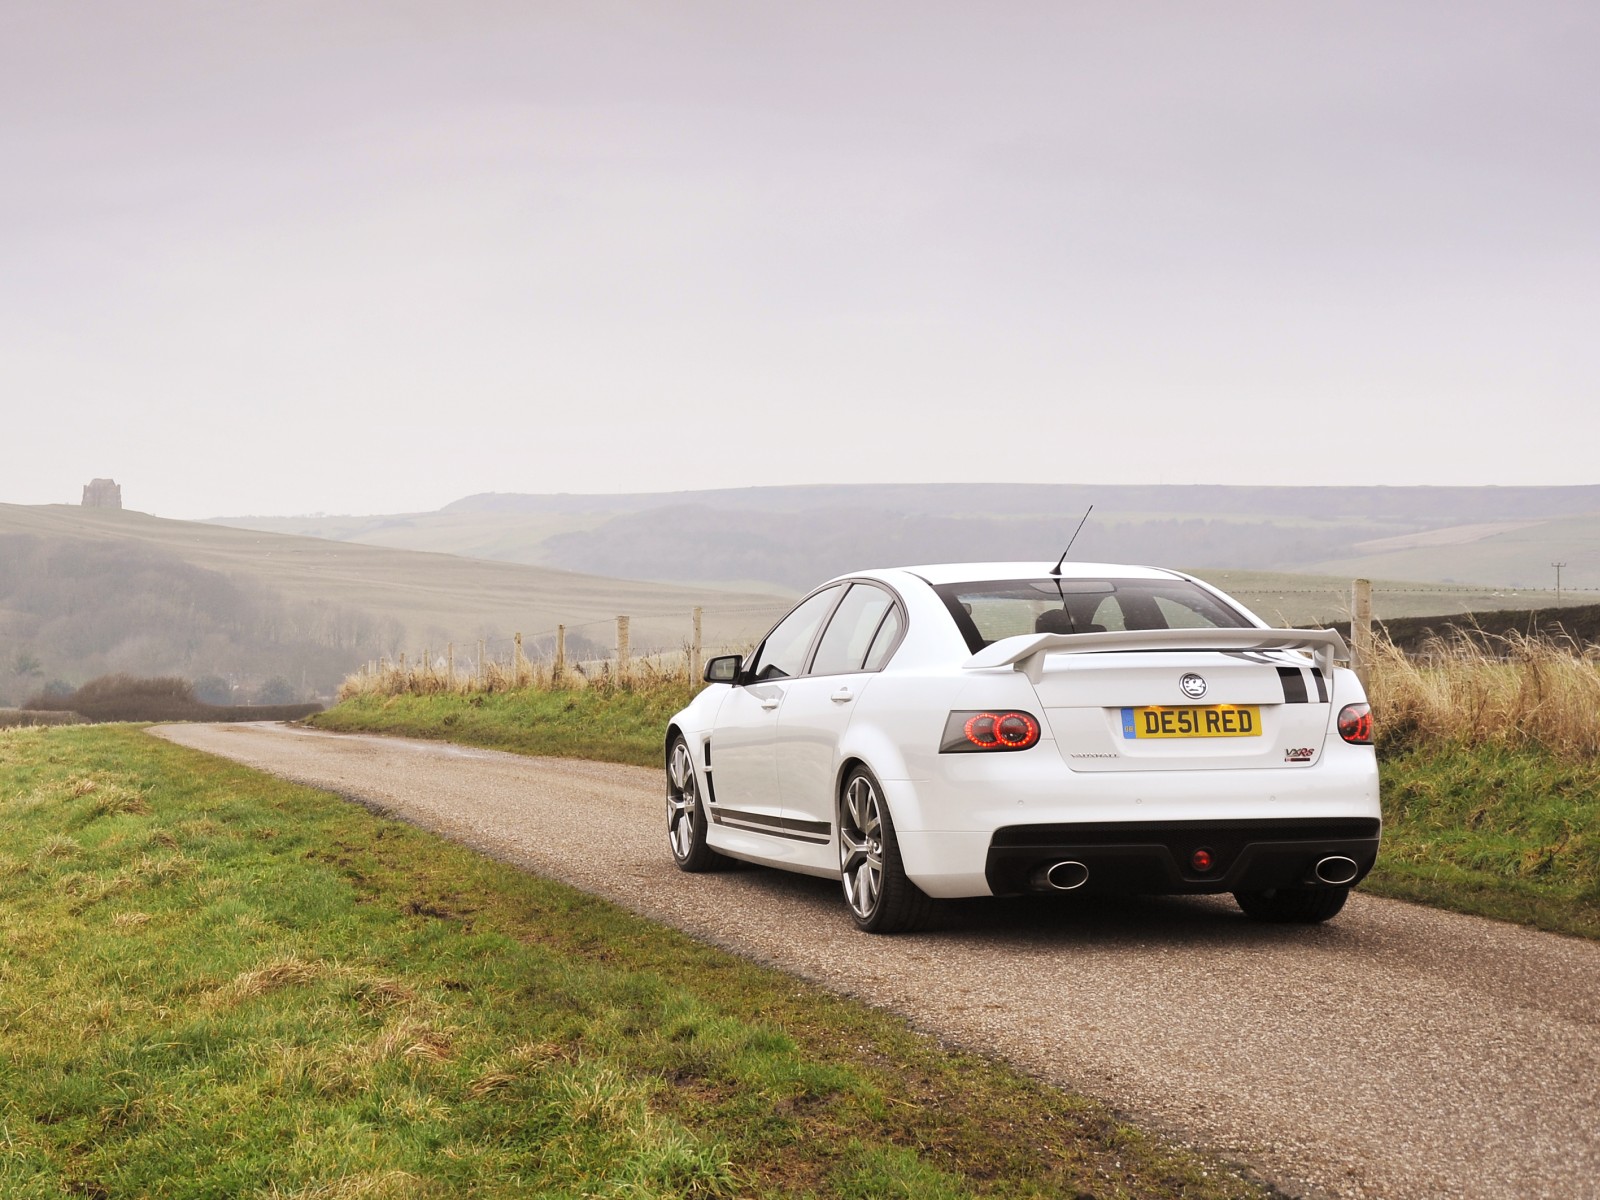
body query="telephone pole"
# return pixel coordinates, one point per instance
(1558, 567)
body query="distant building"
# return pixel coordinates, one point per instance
(102, 493)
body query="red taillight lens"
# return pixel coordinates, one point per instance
(1201, 860)
(1355, 724)
(980, 731)
(993, 729)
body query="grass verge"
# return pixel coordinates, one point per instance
(1500, 831)
(217, 983)
(610, 724)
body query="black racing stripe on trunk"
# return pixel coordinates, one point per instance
(1294, 686)
(1322, 687)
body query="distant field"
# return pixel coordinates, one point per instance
(1285, 599)
(435, 597)
(508, 537)
(1521, 554)
(1479, 540)
(326, 605)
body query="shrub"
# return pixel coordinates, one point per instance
(213, 689)
(129, 698)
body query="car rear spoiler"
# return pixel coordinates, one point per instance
(1026, 652)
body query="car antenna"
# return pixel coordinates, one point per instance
(1056, 570)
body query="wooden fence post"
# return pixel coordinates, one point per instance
(559, 669)
(516, 660)
(695, 647)
(450, 662)
(622, 648)
(478, 671)
(1361, 630)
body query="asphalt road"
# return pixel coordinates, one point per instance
(1396, 1052)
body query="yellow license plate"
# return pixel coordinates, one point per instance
(1209, 720)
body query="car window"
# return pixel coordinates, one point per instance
(888, 637)
(1110, 617)
(989, 610)
(1179, 615)
(851, 632)
(784, 651)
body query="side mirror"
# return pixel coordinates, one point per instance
(724, 668)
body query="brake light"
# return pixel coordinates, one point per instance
(1355, 724)
(969, 731)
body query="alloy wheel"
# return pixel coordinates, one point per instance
(861, 847)
(683, 802)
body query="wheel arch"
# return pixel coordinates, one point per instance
(849, 763)
(865, 746)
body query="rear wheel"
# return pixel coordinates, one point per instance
(686, 816)
(1303, 906)
(881, 898)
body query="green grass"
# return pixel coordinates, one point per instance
(622, 725)
(215, 983)
(1511, 833)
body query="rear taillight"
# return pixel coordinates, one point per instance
(1355, 724)
(972, 730)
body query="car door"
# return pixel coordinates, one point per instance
(742, 749)
(818, 708)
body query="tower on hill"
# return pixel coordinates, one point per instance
(102, 493)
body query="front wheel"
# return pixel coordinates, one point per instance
(881, 898)
(686, 816)
(1301, 906)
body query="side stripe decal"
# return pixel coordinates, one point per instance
(785, 827)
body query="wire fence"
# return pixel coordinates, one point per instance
(579, 652)
(667, 646)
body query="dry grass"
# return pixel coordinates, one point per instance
(1467, 689)
(401, 678)
(1489, 690)
(369, 1185)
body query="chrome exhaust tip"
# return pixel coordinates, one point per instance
(1067, 876)
(1336, 869)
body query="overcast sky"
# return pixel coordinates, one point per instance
(285, 257)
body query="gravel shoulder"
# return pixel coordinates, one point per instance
(1397, 1052)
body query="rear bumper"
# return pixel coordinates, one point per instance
(971, 828)
(1141, 857)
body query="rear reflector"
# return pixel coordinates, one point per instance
(1355, 724)
(970, 731)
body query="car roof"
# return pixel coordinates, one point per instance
(940, 573)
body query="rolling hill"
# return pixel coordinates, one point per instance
(1489, 538)
(85, 592)
(89, 591)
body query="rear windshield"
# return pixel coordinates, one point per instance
(988, 610)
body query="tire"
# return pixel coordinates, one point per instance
(879, 896)
(1296, 906)
(686, 815)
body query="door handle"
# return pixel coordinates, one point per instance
(841, 696)
(771, 704)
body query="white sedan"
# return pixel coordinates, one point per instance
(1001, 728)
